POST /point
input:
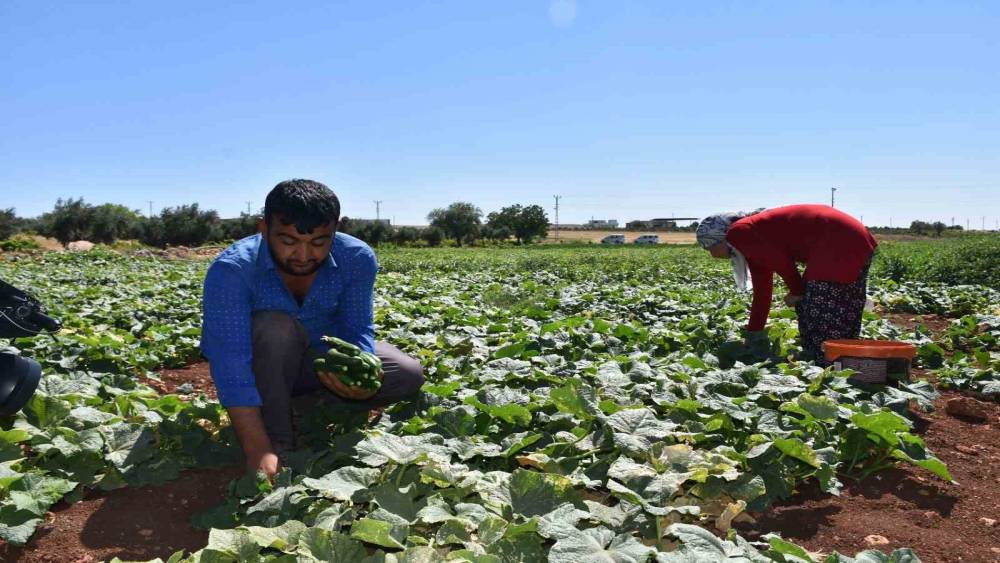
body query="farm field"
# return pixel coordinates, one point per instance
(582, 404)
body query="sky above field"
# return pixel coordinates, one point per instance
(626, 109)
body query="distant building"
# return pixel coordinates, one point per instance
(602, 224)
(661, 223)
(637, 225)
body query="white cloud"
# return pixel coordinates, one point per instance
(562, 13)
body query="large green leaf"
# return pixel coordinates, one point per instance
(599, 545)
(380, 532)
(534, 494)
(641, 484)
(322, 545)
(636, 430)
(344, 483)
(576, 399)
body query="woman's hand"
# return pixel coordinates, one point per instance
(792, 300)
(333, 383)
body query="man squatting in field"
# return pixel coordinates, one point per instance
(268, 301)
(829, 297)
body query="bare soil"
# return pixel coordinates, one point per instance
(907, 506)
(132, 523)
(46, 243)
(936, 324)
(196, 375)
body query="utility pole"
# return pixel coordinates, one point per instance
(249, 203)
(832, 192)
(952, 221)
(378, 208)
(150, 202)
(557, 216)
(966, 223)
(984, 222)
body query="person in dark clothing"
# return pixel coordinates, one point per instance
(836, 249)
(268, 300)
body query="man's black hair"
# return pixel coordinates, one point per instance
(306, 203)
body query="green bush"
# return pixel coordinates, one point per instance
(19, 243)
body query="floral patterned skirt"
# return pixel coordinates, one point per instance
(830, 310)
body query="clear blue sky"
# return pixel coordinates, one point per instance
(627, 109)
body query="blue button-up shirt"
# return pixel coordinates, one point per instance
(243, 279)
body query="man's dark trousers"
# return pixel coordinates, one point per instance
(283, 368)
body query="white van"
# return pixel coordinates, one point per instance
(613, 239)
(647, 239)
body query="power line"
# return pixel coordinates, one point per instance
(557, 216)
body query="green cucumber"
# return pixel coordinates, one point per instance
(342, 346)
(336, 357)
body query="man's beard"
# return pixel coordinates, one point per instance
(287, 268)
(309, 270)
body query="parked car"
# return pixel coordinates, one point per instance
(647, 239)
(613, 239)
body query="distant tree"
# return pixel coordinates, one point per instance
(504, 219)
(239, 227)
(939, 228)
(432, 236)
(405, 235)
(372, 232)
(9, 223)
(920, 227)
(28, 224)
(493, 232)
(533, 223)
(525, 223)
(185, 225)
(110, 222)
(460, 221)
(69, 220)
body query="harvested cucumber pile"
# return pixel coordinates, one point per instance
(352, 365)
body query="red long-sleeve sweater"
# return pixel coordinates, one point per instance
(833, 245)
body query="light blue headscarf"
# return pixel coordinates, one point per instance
(712, 231)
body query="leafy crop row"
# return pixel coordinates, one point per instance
(578, 408)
